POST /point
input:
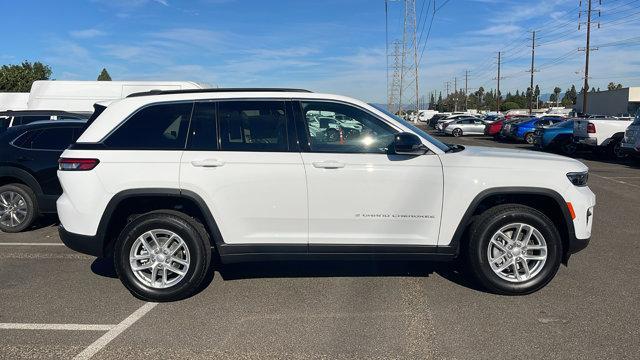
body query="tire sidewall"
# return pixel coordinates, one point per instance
(193, 240)
(481, 243)
(456, 132)
(32, 207)
(528, 138)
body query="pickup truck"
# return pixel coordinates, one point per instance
(601, 134)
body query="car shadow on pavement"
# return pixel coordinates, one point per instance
(361, 268)
(318, 269)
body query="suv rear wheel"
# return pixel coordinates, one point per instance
(162, 256)
(514, 249)
(18, 207)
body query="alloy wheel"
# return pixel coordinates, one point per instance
(159, 258)
(517, 252)
(13, 209)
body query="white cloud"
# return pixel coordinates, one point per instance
(87, 33)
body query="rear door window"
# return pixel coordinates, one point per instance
(156, 127)
(253, 125)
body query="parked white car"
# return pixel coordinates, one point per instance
(161, 181)
(631, 141)
(601, 134)
(465, 126)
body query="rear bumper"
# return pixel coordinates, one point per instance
(589, 141)
(86, 244)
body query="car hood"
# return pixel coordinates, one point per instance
(491, 157)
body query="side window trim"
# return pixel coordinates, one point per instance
(303, 121)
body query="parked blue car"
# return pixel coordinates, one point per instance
(525, 130)
(557, 137)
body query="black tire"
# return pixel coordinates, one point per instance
(568, 147)
(614, 149)
(457, 132)
(528, 138)
(31, 203)
(487, 224)
(196, 240)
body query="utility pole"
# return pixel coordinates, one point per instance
(447, 84)
(587, 49)
(533, 54)
(466, 89)
(455, 93)
(498, 91)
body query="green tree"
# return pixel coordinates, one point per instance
(614, 86)
(556, 95)
(432, 101)
(509, 105)
(104, 75)
(570, 97)
(18, 78)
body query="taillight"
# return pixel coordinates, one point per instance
(69, 164)
(591, 128)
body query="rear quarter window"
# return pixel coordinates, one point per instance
(155, 127)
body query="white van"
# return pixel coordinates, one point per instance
(79, 96)
(13, 101)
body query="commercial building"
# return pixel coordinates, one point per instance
(619, 102)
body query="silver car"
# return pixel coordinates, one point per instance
(466, 126)
(631, 141)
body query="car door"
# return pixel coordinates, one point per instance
(247, 170)
(361, 194)
(478, 126)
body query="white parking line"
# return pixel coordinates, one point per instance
(615, 180)
(33, 326)
(29, 244)
(114, 332)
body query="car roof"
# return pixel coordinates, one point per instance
(214, 90)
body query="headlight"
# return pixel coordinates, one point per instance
(578, 178)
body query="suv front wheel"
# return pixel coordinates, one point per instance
(162, 256)
(514, 249)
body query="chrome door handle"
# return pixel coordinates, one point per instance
(207, 163)
(329, 164)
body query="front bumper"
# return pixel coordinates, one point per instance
(86, 244)
(629, 148)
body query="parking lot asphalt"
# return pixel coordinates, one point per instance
(55, 303)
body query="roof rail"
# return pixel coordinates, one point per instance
(215, 90)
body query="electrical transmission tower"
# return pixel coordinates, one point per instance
(409, 79)
(394, 86)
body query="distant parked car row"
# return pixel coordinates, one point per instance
(616, 136)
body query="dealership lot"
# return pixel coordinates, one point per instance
(56, 303)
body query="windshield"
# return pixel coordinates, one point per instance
(423, 134)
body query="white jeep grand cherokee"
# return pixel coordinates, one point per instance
(161, 181)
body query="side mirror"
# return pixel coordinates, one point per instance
(408, 144)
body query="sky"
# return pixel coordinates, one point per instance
(335, 46)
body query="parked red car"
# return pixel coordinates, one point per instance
(494, 128)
